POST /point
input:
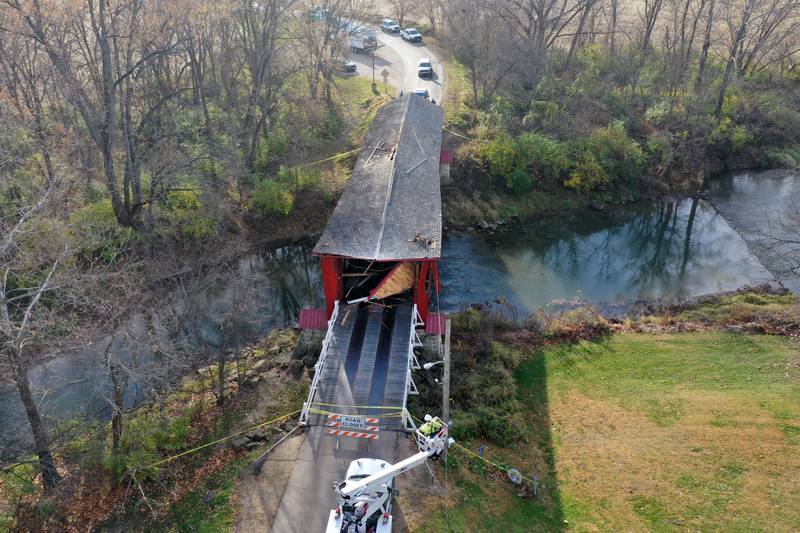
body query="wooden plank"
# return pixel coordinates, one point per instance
(400, 279)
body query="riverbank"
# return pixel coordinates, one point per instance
(684, 419)
(177, 460)
(497, 405)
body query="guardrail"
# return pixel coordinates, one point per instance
(326, 342)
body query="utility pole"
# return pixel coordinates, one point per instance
(446, 379)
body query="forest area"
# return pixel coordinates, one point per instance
(596, 102)
(146, 145)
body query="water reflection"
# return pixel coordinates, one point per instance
(755, 204)
(673, 250)
(213, 312)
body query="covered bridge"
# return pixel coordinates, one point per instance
(384, 238)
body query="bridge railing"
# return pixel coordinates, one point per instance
(326, 342)
(413, 363)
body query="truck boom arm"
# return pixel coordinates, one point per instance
(354, 488)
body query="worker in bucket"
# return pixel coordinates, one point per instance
(431, 427)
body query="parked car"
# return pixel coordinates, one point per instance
(344, 64)
(422, 91)
(390, 26)
(424, 68)
(411, 35)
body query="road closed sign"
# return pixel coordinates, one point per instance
(357, 423)
(353, 422)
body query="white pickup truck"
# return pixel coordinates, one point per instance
(411, 35)
(424, 68)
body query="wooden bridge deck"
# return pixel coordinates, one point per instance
(367, 365)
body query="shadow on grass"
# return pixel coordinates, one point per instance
(546, 509)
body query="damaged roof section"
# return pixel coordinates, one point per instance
(391, 208)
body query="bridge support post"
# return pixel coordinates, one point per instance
(332, 283)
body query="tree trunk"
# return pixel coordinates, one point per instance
(116, 414)
(47, 465)
(701, 65)
(612, 31)
(577, 39)
(738, 41)
(221, 378)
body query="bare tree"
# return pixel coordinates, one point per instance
(258, 31)
(649, 17)
(478, 39)
(29, 268)
(432, 10)
(97, 52)
(400, 9)
(580, 35)
(737, 17)
(535, 26)
(701, 62)
(783, 239)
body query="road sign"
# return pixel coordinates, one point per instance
(385, 74)
(353, 422)
(349, 422)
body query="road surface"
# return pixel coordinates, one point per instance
(309, 496)
(400, 59)
(368, 350)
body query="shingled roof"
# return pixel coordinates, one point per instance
(391, 208)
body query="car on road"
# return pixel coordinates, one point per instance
(390, 26)
(424, 68)
(345, 65)
(422, 91)
(411, 35)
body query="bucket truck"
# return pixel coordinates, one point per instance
(365, 496)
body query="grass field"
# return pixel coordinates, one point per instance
(679, 432)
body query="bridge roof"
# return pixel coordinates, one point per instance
(391, 208)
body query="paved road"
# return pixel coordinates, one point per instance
(309, 497)
(322, 460)
(400, 58)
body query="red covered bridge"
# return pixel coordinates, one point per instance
(383, 241)
(379, 255)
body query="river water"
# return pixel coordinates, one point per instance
(671, 251)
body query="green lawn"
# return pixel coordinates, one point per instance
(680, 432)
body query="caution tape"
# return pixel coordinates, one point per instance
(359, 406)
(337, 156)
(499, 467)
(324, 412)
(223, 439)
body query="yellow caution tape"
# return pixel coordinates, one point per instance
(359, 406)
(212, 443)
(499, 467)
(324, 412)
(337, 156)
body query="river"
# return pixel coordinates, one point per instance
(671, 251)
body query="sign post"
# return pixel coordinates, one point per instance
(385, 76)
